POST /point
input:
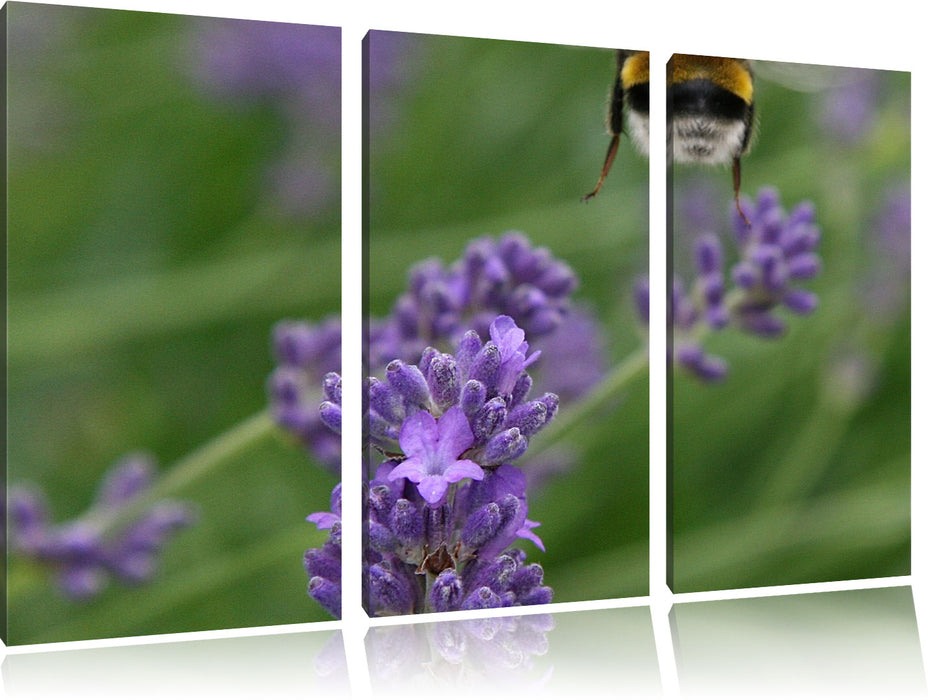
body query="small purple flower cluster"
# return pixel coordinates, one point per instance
(445, 504)
(305, 353)
(494, 277)
(777, 251)
(296, 69)
(83, 552)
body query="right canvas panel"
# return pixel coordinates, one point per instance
(789, 321)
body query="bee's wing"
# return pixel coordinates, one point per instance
(806, 77)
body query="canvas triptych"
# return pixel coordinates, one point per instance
(174, 391)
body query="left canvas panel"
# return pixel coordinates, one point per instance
(173, 276)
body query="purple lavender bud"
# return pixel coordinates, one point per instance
(125, 480)
(527, 578)
(762, 323)
(389, 592)
(482, 599)
(387, 403)
(468, 348)
(380, 538)
(28, 518)
(409, 382)
(642, 299)
(331, 386)
(380, 502)
(331, 415)
(80, 582)
(708, 255)
(558, 279)
(705, 367)
(473, 396)
(307, 354)
(489, 418)
(520, 390)
(503, 447)
(800, 301)
(773, 273)
(486, 366)
(327, 594)
(406, 522)
(804, 266)
(481, 526)
(446, 594)
(443, 381)
(529, 417)
(319, 564)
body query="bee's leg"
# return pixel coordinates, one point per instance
(736, 175)
(609, 158)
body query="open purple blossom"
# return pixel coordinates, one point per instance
(85, 552)
(305, 354)
(432, 449)
(776, 253)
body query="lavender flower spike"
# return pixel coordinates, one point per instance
(82, 553)
(445, 505)
(776, 253)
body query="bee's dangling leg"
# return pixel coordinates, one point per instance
(736, 175)
(609, 158)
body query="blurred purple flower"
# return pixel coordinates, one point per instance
(305, 354)
(82, 553)
(849, 108)
(886, 285)
(294, 68)
(777, 252)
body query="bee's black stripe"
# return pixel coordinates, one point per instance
(705, 98)
(638, 98)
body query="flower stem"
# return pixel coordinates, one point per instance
(612, 387)
(190, 469)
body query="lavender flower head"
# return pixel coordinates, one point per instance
(83, 553)
(306, 353)
(494, 277)
(777, 252)
(445, 504)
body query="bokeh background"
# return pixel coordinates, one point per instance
(173, 192)
(796, 468)
(489, 136)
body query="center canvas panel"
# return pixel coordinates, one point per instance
(507, 390)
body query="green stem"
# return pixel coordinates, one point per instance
(613, 385)
(195, 466)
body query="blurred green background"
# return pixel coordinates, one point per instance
(149, 255)
(797, 467)
(491, 136)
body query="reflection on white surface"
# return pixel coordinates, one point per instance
(302, 664)
(860, 642)
(599, 653)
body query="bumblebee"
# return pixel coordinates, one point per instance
(710, 110)
(630, 95)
